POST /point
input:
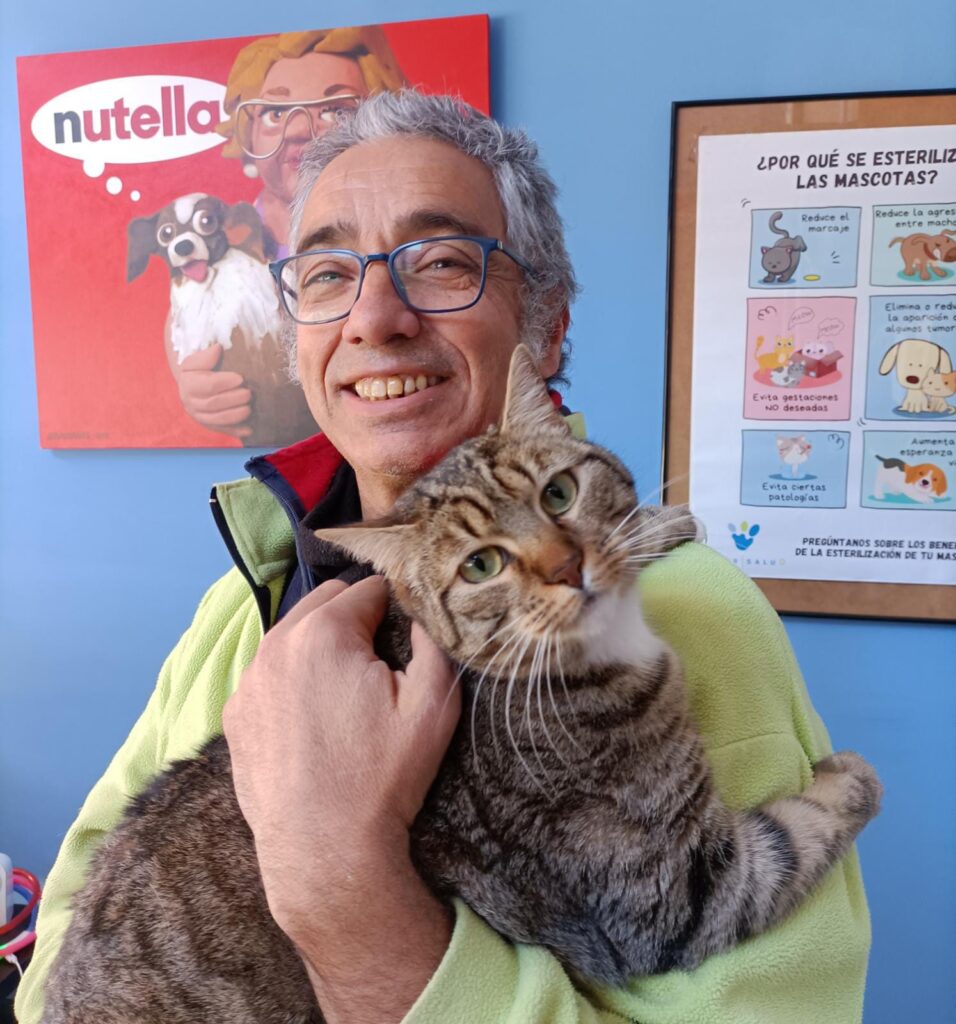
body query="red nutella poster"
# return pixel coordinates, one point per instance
(157, 182)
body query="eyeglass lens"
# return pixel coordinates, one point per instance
(262, 127)
(436, 276)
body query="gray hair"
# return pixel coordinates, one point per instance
(525, 188)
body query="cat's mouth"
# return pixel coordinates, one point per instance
(378, 389)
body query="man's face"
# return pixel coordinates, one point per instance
(313, 76)
(370, 199)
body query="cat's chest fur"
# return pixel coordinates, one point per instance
(538, 790)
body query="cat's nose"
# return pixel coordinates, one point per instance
(569, 571)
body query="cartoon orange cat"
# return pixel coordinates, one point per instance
(782, 352)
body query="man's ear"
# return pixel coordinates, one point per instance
(384, 546)
(528, 406)
(551, 360)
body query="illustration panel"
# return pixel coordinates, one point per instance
(909, 374)
(903, 470)
(914, 244)
(799, 359)
(815, 247)
(158, 181)
(806, 469)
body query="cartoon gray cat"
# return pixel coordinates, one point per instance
(789, 376)
(782, 259)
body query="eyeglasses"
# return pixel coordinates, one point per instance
(261, 125)
(431, 275)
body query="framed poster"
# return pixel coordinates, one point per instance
(157, 181)
(811, 392)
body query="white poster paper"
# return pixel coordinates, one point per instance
(823, 427)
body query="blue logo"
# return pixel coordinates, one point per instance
(745, 537)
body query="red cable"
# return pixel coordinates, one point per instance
(30, 881)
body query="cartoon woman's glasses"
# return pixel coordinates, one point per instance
(261, 125)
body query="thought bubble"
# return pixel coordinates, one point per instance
(136, 120)
(830, 327)
(762, 314)
(114, 186)
(802, 315)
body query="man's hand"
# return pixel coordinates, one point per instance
(333, 754)
(214, 398)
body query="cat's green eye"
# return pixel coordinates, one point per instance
(559, 494)
(483, 565)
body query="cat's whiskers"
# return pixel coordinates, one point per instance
(643, 531)
(633, 511)
(474, 703)
(509, 691)
(532, 678)
(546, 672)
(666, 485)
(567, 696)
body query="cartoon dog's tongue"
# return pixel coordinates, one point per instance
(196, 269)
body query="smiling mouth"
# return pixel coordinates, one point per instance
(378, 389)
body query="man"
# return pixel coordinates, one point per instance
(333, 753)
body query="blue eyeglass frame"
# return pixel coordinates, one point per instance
(488, 246)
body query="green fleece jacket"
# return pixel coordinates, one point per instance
(759, 728)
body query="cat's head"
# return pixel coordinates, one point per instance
(519, 534)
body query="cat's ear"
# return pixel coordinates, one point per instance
(528, 406)
(384, 546)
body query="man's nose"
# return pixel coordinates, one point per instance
(379, 314)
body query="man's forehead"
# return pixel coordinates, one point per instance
(400, 188)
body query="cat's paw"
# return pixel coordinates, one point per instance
(860, 788)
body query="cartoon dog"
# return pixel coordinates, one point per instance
(221, 292)
(938, 387)
(914, 360)
(920, 251)
(921, 483)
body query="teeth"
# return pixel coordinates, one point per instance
(379, 388)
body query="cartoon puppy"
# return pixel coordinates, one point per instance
(221, 292)
(924, 251)
(938, 387)
(921, 483)
(914, 360)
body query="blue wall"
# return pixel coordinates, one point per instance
(104, 555)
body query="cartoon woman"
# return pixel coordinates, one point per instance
(282, 92)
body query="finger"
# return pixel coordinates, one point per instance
(205, 359)
(313, 600)
(226, 418)
(198, 384)
(224, 401)
(360, 609)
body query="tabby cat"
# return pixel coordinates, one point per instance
(574, 808)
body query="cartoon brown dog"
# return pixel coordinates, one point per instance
(221, 292)
(914, 360)
(923, 252)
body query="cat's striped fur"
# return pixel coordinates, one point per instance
(574, 809)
